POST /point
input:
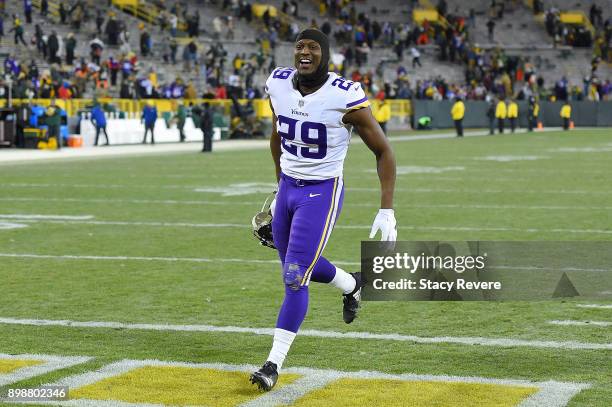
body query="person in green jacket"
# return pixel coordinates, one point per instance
(53, 120)
(181, 117)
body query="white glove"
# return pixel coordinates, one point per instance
(385, 222)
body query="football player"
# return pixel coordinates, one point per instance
(314, 112)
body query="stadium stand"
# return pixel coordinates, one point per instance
(375, 42)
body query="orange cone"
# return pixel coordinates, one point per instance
(540, 126)
(571, 124)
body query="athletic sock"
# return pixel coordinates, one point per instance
(343, 281)
(282, 342)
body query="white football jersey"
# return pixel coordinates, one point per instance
(314, 141)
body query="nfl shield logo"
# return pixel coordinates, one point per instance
(301, 103)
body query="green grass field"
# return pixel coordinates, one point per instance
(150, 213)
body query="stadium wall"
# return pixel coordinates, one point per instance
(588, 114)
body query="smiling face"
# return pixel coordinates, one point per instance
(307, 56)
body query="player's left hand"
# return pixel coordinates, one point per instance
(385, 222)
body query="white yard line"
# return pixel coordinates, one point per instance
(23, 156)
(50, 363)
(161, 259)
(596, 306)
(262, 261)
(200, 188)
(35, 217)
(350, 227)
(570, 322)
(468, 341)
(257, 203)
(549, 394)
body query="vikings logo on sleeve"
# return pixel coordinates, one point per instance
(314, 140)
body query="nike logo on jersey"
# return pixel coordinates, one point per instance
(313, 195)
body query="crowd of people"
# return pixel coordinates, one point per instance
(113, 68)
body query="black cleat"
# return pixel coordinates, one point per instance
(351, 301)
(266, 377)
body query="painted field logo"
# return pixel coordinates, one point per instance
(152, 382)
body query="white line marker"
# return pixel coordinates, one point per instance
(361, 227)
(256, 203)
(495, 342)
(597, 306)
(570, 322)
(550, 394)
(50, 363)
(350, 189)
(161, 259)
(10, 225)
(18, 216)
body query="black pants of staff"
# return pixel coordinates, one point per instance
(54, 131)
(512, 124)
(566, 123)
(181, 132)
(383, 126)
(459, 127)
(151, 128)
(19, 37)
(208, 136)
(531, 123)
(491, 125)
(500, 125)
(103, 128)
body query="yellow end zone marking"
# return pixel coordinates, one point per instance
(9, 366)
(147, 383)
(364, 392)
(176, 385)
(15, 368)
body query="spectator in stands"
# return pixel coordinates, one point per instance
(457, 113)
(99, 21)
(39, 38)
(149, 116)
(99, 120)
(70, 45)
(501, 113)
(62, 13)
(18, 29)
(27, 10)
(566, 114)
(490, 28)
(416, 57)
(145, 42)
(112, 30)
(512, 114)
(53, 46)
(96, 46)
(44, 8)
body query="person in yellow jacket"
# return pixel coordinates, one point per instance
(501, 112)
(566, 114)
(512, 114)
(382, 112)
(457, 113)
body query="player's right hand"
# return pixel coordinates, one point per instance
(385, 222)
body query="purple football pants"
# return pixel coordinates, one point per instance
(304, 217)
